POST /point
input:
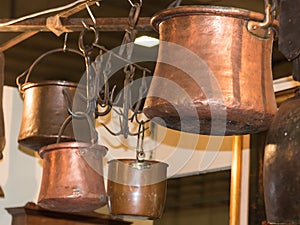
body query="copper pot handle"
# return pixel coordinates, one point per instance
(264, 29)
(27, 72)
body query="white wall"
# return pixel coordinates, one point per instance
(20, 170)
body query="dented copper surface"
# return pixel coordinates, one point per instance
(44, 111)
(136, 190)
(231, 62)
(281, 177)
(72, 178)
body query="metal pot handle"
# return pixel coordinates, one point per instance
(264, 29)
(27, 73)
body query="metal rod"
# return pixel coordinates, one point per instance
(235, 185)
(75, 24)
(76, 9)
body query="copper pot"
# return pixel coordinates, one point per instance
(214, 65)
(72, 177)
(281, 165)
(136, 189)
(44, 111)
(46, 108)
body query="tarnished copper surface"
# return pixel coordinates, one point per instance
(72, 177)
(2, 128)
(281, 175)
(239, 61)
(136, 192)
(44, 111)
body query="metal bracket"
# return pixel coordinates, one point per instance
(262, 29)
(54, 23)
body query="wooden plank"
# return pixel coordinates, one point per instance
(256, 193)
(75, 24)
(16, 40)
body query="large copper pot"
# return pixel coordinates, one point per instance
(72, 177)
(136, 189)
(45, 109)
(213, 71)
(281, 175)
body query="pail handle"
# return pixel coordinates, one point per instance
(27, 73)
(263, 29)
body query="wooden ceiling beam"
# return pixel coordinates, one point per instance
(75, 24)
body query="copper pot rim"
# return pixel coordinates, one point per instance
(49, 83)
(128, 161)
(70, 146)
(206, 10)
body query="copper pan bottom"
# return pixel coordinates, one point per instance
(80, 204)
(238, 121)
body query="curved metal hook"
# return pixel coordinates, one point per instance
(133, 4)
(81, 45)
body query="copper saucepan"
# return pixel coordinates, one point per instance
(72, 178)
(136, 189)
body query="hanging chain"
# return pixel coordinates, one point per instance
(129, 70)
(91, 88)
(105, 98)
(130, 33)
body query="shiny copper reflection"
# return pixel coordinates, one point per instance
(235, 62)
(136, 192)
(72, 177)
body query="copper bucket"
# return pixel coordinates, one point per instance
(136, 189)
(45, 109)
(281, 165)
(213, 67)
(72, 177)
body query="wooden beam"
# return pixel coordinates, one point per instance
(16, 40)
(75, 24)
(256, 193)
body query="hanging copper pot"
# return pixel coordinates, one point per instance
(214, 65)
(46, 108)
(281, 175)
(136, 189)
(72, 177)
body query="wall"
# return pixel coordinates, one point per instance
(20, 170)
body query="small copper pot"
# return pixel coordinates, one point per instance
(136, 189)
(44, 111)
(213, 68)
(45, 108)
(72, 177)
